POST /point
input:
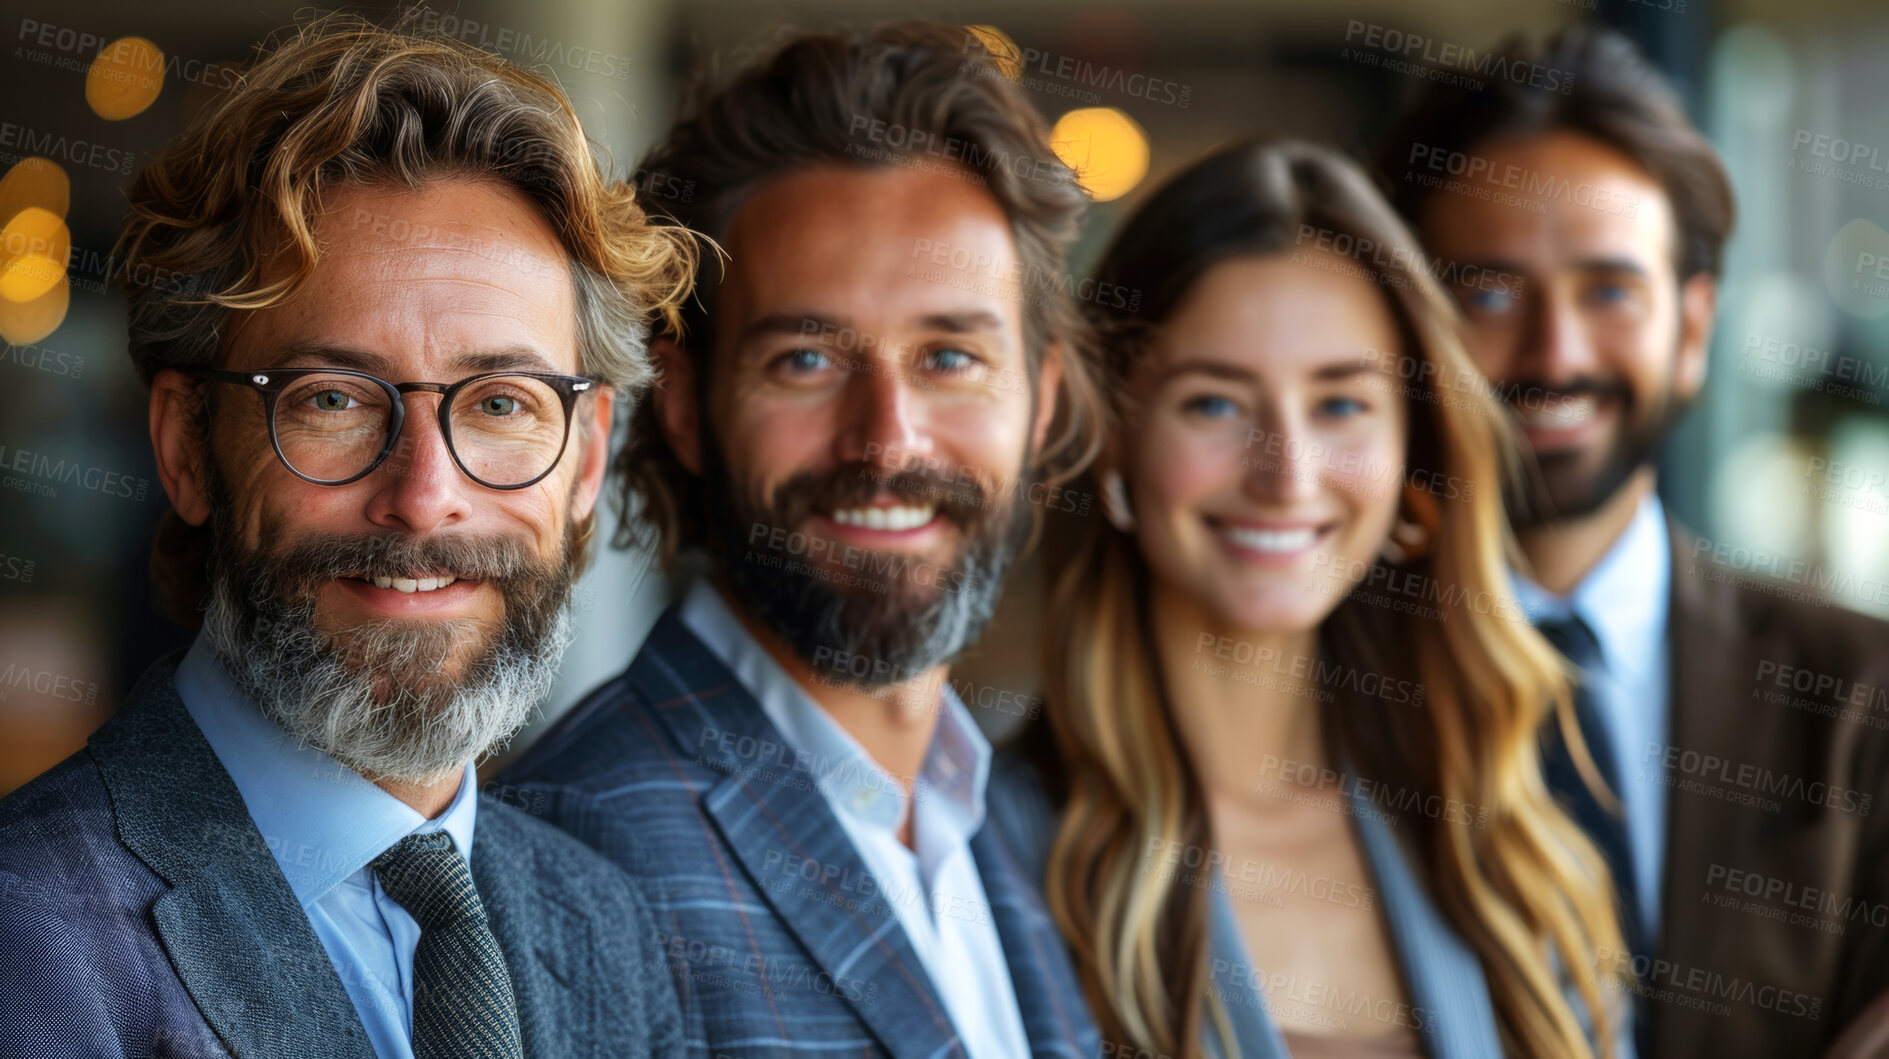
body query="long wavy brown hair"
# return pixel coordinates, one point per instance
(1523, 886)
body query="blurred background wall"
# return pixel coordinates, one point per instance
(1787, 454)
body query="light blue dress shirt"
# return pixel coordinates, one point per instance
(1625, 600)
(935, 889)
(324, 824)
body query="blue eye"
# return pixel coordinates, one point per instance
(1342, 407)
(1482, 300)
(1609, 293)
(1213, 406)
(804, 361)
(951, 360)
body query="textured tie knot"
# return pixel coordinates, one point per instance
(430, 879)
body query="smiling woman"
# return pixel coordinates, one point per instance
(1270, 487)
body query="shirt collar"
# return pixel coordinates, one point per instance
(1623, 599)
(949, 789)
(321, 820)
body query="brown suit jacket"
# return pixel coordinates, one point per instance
(1774, 926)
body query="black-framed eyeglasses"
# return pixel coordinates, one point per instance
(332, 426)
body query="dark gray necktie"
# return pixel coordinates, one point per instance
(1607, 829)
(463, 1006)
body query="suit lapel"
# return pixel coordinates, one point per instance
(549, 952)
(1054, 1014)
(776, 823)
(1699, 829)
(1441, 971)
(238, 939)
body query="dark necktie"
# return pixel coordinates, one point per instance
(463, 1006)
(1606, 828)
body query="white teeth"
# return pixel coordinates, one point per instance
(413, 584)
(1564, 412)
(1259, 540)
(885, 518)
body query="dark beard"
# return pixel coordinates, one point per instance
(376, 698)
(1561, 490)
(877, 619)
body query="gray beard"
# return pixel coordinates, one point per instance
(371, 715)
(376, 697)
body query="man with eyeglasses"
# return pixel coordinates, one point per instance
(383, 435)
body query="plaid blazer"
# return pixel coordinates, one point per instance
(142, 914)
(776, 934)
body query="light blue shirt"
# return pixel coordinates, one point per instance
(1625, 600)
(935, 889)
(324, 824)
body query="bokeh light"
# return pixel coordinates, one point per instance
(125, 78)
(1002, 49)
(1105, 147)
(24, 323)
(34, 247)
(36, 182)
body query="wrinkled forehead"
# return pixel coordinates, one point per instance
(424, 278)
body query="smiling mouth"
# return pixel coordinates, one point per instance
(1273, 540)
(895, 517)
(1561, 413)
(409, 584)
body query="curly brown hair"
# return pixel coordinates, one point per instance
(336, 101)
(825, 98)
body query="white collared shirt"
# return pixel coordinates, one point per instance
(935, 889)
(324, 824)
(1625, 600)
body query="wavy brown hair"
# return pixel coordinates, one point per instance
(341, 101)
(1524, 888)
(908, 92)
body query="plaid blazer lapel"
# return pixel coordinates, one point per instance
(778, 826)
(1055, 1016)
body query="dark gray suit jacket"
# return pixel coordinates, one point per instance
(142, 915)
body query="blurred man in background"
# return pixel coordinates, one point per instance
(848, 429)
(386, 298)
(1582, 182)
